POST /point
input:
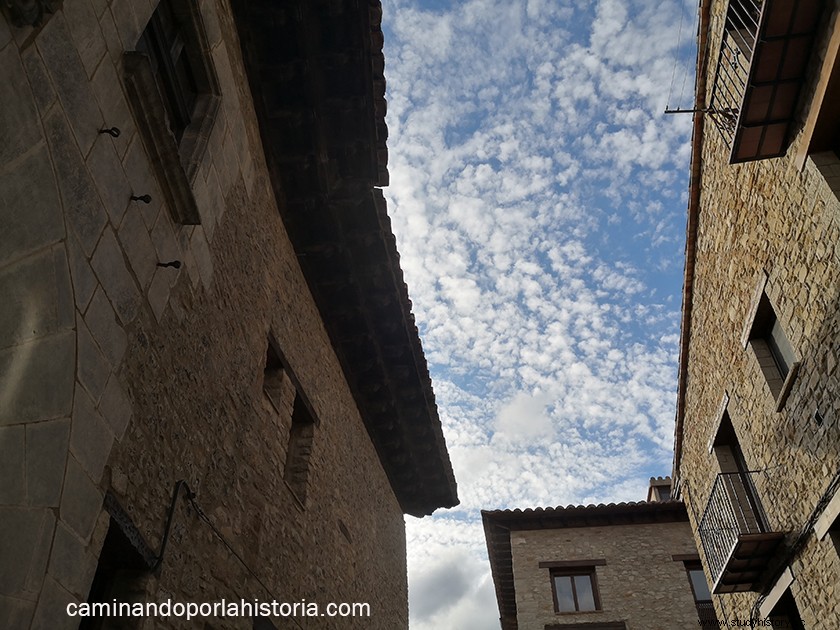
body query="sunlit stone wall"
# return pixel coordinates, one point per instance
(640, 582)
(777, 219)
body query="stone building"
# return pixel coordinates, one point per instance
(625, 566)
(211, 383)
(757, 451)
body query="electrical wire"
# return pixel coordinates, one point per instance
(676, 61)
(191, 496)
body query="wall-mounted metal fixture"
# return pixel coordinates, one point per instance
(114, 132)
(172, 263)
(143, 198)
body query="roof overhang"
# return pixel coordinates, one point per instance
(315, 69)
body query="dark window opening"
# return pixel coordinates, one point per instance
(773, 350)
(298, 455)
(164, 42)
(785, 613)
(575, 591)
(702, 594)
(122, 575)
(276, 382)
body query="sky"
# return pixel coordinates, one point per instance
(538, 194)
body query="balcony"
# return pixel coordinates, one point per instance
(735, 535)
(761, 66)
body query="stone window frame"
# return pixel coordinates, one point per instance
(572, 569)
(176, 164)
(291, 401)
(763, 330)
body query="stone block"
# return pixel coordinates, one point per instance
(166, 247)
(128, 25)
(115, 407)
(70, 563)
(71, 81)
(37, 295)
(81, 500)
(111, 36)
(90, 436)
(5, 33)
(15, 612)
(19, 126)
(83, 209)
(46, 453)
(39, 80)
(110, 179)
(137, 244)
(51, 613)
(12, 459)
(110, 268)
(99, 7)
(37, 379)
(205, 209)
(93, 369)
(143, 181)
(84, 280)
(41, 555)
(20, 535)
(84, 30)
(105, 328)
(203, 258)
(159, 291)
(107, 86)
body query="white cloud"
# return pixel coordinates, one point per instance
(537, 195)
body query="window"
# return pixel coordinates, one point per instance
(702, 594)
(773, 351)
(298, 454)
(575, 590)
(276, 382)
(124, 570)
(286, 396)
(174, 93)
(785, 613)
(164, 43)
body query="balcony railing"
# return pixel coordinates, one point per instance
(734, 533)
(761, 66)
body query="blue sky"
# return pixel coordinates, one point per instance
(538, 195)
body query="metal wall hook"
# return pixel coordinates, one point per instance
(172, 263)
(114, 132)
(143, 198)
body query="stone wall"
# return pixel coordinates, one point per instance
(768, 218)
(119, 375)
(640, 583)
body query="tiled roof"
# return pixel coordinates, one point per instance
(315, 69)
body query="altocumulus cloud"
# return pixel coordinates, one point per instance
(537, 194)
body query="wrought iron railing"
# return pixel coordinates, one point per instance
(732, 511)
(733, 67)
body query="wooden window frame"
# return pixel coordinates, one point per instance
(572, 572)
